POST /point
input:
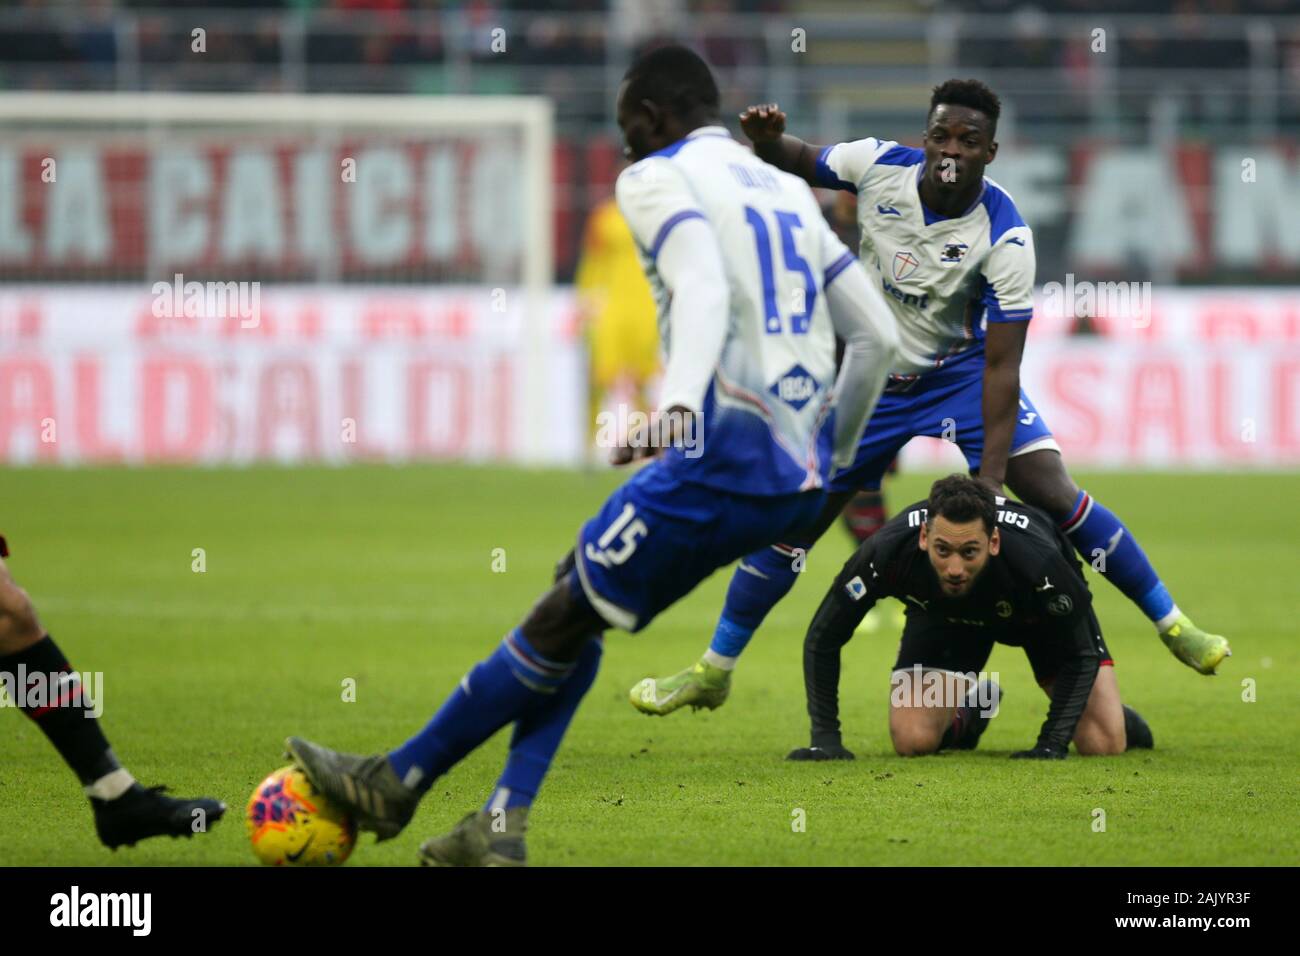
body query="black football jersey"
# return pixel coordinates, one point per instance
(1034, 582)
(1032, 590)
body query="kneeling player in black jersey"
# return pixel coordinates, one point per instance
(973, 570)
(37, 679)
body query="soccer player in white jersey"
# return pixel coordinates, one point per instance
(752, 288)
(955, 261)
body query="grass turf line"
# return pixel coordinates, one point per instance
(384, 575)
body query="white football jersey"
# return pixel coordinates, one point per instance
(943, 278)
(768, 419)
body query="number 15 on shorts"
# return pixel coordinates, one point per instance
(627, 528)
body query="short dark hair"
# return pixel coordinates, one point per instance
(961, 498)
(674, 77)
(969, 93)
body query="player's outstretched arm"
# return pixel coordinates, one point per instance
(1004, 345)
(765, 127)
(1070, 691)
(690, 265)
(665, 217)
(866, 325)
(841, 611)
(1009, 272)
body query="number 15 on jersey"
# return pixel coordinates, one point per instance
(805, 298)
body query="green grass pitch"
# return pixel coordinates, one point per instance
(384, 575)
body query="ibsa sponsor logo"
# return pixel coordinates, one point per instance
(74, 908)
(796, 387)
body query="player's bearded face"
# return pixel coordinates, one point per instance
(959, 552)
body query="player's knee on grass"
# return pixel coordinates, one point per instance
(1101, 728)
(1040, 479)
(1097, 739)
(1100, 732)
(19, 627)
(915, 731)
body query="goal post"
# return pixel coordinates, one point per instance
(295, 192)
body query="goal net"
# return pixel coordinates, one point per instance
(232, 278)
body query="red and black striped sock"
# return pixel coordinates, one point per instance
(53, 698)
(963, 721)
(864, 515)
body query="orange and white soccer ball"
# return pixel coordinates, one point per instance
(291, 824)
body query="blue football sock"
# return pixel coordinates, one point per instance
(1103, 542)
(761, 580)
(538, 733)
(495, 692)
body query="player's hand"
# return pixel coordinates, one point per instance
(763, 124)
(626, 454)
(828, 752)
(674, 426)
(994, 483)
(1041, 752)
(643, 441)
